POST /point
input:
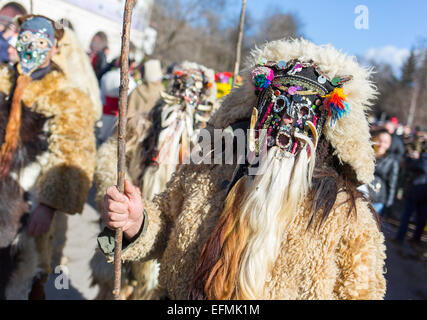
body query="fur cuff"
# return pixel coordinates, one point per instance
(64, 188)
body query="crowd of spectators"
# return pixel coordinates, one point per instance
(399, 190)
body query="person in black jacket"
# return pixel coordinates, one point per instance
(416, 196)
(397, 148)
(383, 187)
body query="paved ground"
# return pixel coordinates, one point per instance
(80, 244)
(406, 267)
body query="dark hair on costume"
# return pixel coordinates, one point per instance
(149, 148)
(331, 177)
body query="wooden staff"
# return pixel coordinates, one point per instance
(121, 149)
(239, 42)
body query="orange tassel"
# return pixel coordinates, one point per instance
(13, 125)
(215, 273)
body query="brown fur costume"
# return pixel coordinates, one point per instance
(53, 165)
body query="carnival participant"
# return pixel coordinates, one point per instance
(296, 228)
(157, 144)
(47, 156)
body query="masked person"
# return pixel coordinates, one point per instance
(293, 228)
(157, 144)
(47, 157)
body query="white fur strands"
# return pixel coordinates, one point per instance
(239, 255)
(269, 206)
(177, 124)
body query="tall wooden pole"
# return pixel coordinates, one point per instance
(413, 104)
(31, 7)
(121, 149)
(239, 42)
(419, 84)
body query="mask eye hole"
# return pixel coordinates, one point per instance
(281, 103)
(304, 111)
(42, 43)
(283, 140)
(25, 37)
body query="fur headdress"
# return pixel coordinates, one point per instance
(348, 135)
(290, 89)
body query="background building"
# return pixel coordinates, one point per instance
(89, 18)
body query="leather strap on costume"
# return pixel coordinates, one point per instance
(13, 125)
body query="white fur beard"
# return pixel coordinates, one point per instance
(268, 207)
(156, 177)
(176, 124)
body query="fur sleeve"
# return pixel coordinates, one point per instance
(67, 177)
(161, 214)
(6, 76)
(361, 258)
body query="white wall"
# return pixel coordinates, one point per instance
(86, 24)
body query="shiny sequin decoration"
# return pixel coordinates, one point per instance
(322, 79)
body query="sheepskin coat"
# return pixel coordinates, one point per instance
(66, 174)
(342, 260)
(53, 165)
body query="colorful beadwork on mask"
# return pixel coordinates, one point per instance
(294, 100)
(35, 40)
(262, 77)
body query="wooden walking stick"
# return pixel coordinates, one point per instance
(239, 43)
(121, 149)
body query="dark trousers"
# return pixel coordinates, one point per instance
(416, 200)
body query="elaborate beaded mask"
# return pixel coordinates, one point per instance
(190, 85)
(294, 100)
(36, 38)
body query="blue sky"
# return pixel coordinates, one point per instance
(395, 26)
